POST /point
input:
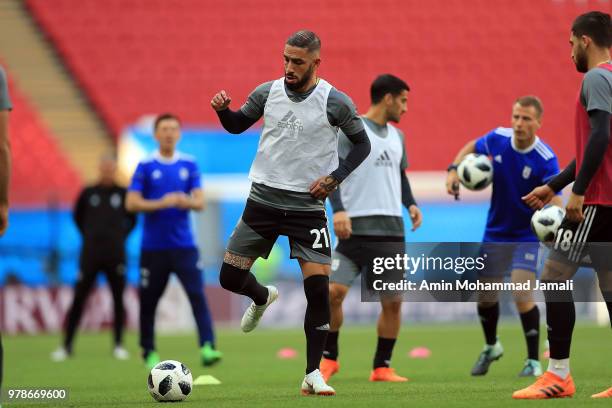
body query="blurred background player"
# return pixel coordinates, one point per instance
(588, 209)
(296, 167)
(521, 161)
(5, 170)
(104, 224)
(165, 188)
(367, 216)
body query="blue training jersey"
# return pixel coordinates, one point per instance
(154, 177)
(515, 173)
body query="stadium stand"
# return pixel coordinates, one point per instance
(44, 80)
(145, 56)
(41, 172)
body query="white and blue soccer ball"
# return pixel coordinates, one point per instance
(170, 380)
(475, 171)
(546, 221)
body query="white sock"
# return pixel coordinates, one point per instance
(559, 367)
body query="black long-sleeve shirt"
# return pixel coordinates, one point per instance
(101, 217)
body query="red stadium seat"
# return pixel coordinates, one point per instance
(465, 65)
(39, 168)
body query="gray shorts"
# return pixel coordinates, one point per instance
(343, 270)
(260, 226)
(353, 257)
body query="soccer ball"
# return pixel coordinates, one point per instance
(546, 221)
(170, 380)
(475, 171)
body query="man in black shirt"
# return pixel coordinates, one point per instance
(104, 224)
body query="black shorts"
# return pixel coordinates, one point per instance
(261, 225)
(588, 243)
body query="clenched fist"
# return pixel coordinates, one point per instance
(220, 101)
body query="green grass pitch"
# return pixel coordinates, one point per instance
(252, 376)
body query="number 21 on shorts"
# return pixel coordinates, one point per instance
(317, 244)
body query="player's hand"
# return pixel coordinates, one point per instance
(323, 186)
(220, 101)
(539, 197)
(169, 200)
(573, 208)
(415, 216)
(343, 227)
(452, 183)
(183, 201)
(4, 222)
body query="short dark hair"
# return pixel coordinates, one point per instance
(531, 100)
(384, 84)
(596, 25)
(165, 116)
(305, 39)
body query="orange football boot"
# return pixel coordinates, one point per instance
(328, 368)
(548, 385)
(604, 394)
(386, 374)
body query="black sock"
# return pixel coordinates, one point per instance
(531, 329)
(316, 319)
(560, 318)
(488, 319)
(242, 282)
(331, 346)
(384, 349)
(608, 299)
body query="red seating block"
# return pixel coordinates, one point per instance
(466, 63)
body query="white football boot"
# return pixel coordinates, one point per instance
(314, 384)
(120, 353)
(59, 355)
(253, 314)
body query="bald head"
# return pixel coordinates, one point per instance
(108, 168)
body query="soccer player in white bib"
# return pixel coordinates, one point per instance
(295, 168)
(368, 217)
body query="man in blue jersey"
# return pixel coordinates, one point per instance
(166, 187)
(521, 161)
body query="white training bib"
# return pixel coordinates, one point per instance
(297, 144)
(375, 187)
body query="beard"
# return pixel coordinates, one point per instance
(299, 84)
(582, 63)
(393, 117)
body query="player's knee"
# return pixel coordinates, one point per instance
(524, 306)
(337, 293)
(487, 298)
(523, 298)
(391, 308)
(486, 304)
(232, 278)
